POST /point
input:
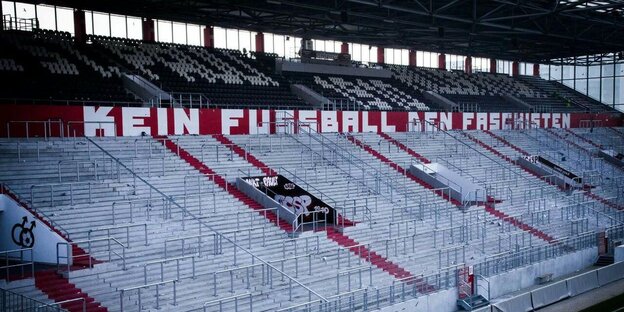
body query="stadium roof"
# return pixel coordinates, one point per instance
(526, 30)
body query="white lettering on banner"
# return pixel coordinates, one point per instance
(329, 121)
(163, 120)
(298, 204)
(565, 121)
(385, 127)
(133, 120)
(431, 118)
(182, 121)
(482, 121)
(546, 119)
(467, 119)
(308, 119)
(269, 181)
(366, 127)
(446, 120)
(230, 118)
(257, 127)
(93, 115)
(556, 120)
(495, 121)
(506, 120)
(414, 122)
(536, 119)
(350, 122)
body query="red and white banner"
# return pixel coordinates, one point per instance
(133, 121)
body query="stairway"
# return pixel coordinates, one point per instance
(489, 205)
(241, 152)
(491, 209)
(473, 302)
(582, 138)
(81, 259)
(221, 182)
(604, 260)
(59, 289)
(264, 167)
(378, 260)
(402, 170)
(402, 146)
(502, 140)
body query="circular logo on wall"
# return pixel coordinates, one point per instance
(22, 235)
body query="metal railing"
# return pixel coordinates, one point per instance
(19, 260)
(12, 301)
(68, 257)
(46, 126)
(139, 289)
(204, 224)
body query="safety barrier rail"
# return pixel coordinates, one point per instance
(18, 259)
(12, 301)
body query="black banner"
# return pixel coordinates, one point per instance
(293, 197)
(558, 168)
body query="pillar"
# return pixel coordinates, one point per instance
(344, 48)
(1, 17)
(380, 55)
(515, 69)
(147, 26)
(80, 26)
(412, 58)
(536, 71)
(260, 42)
(468, 65)
(442, 61)
(209, 37)
(493, 66)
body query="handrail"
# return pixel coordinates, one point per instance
(230, 298)
(69, 252)
(60, 303)
(188, 213)
(139, 287)
(5, 188)
(22, 259)
(47, 126)
(445, 132)
(120, 226)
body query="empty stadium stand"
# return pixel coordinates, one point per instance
(366, 93)
(226, 77)
(564, 96)
(46, 66)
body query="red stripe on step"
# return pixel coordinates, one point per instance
(247, 156)
(221, 182)
(379, 261)
(497, 213)
(58, 288)
(565, 140)
(401, 170)
(405, 148)
(80, 257)
(502, 140)
(586, 140)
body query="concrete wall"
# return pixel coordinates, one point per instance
(442, 301)
(524, 277)
(45, 239)
(265, 200)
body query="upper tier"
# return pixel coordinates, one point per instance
(48, 66)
